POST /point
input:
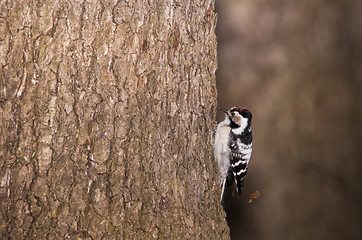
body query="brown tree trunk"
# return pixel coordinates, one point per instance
(106, 109)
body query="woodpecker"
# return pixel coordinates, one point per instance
(232, 149)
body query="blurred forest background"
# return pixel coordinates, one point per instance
(297, 65)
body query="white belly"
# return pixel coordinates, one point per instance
(222, 150)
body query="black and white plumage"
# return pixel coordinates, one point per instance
(233, 147)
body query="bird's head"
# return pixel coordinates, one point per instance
(240, 117)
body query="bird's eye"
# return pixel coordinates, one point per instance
(233, 114)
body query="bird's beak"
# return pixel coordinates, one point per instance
(226, 112)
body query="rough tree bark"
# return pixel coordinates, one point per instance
(105, 110)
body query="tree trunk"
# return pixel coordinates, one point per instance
(106, 109)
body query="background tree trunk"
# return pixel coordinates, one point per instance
(106, 109)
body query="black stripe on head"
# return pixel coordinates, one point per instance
(243, 111)
(246, 114)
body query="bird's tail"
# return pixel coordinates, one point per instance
(239, 184)
(228, 182)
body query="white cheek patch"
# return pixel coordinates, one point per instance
(240, 130)
(238, 119)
